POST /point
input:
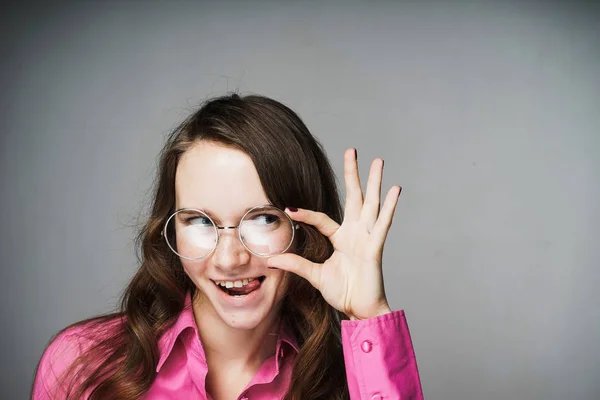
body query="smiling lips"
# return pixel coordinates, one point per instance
(240, 287)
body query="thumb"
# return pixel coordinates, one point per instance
(298, 265)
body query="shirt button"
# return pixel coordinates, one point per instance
(376, 397)
(367, 346)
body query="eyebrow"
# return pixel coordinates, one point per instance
(212, 215)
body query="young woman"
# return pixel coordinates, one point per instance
(250, 285)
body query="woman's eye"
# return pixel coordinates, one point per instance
(202, 221)
(266, 219)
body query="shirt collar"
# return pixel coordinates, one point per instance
(186, 320)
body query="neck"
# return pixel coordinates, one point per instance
(224, 344)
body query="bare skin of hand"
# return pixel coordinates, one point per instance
(351, 280)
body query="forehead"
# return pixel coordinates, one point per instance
(219, 179)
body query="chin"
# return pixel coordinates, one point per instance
(247, 320)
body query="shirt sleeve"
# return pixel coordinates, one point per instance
(380, 359)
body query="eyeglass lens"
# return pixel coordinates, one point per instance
(264, 231)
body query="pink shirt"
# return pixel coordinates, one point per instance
(378, 353)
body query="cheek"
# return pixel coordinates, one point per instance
(282, 284)
(193, 269)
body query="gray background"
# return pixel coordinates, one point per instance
(487, 113)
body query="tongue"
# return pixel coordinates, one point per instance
(251, 286)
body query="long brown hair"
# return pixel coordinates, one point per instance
(294, 171)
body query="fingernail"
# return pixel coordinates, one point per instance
(292, 209)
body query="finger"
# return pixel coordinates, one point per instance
(319, 220)
(298, 265)
(370, 209)
(382, 226)
(354, 196)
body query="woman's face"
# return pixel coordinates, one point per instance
(223, 182)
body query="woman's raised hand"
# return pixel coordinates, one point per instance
(351, 280)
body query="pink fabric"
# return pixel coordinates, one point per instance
(378, 353)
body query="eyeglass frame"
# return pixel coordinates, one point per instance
(293, 223)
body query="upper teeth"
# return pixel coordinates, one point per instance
(230, 284)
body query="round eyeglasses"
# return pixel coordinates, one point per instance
(264, 231)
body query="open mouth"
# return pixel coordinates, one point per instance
(240, 288)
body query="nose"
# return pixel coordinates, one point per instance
(230, 253)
